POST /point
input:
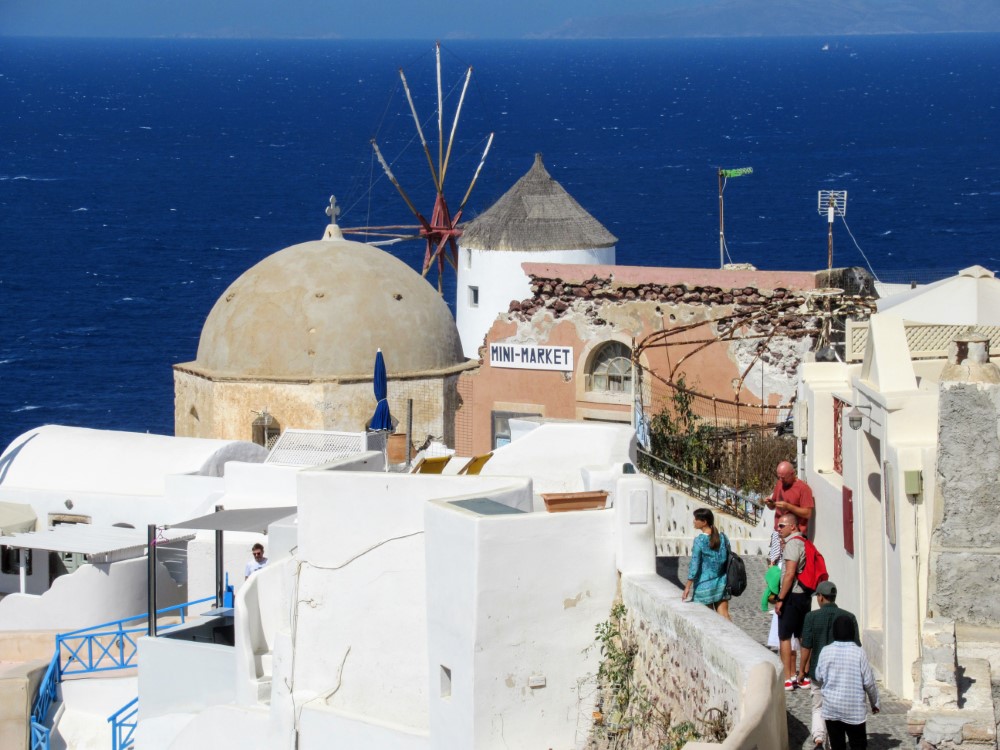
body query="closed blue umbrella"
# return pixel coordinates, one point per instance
(381, 419)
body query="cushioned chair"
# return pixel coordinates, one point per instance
(431, 465)
(476, 464)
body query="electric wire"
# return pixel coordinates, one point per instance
(875, 275)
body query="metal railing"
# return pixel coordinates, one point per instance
(726, 499)
(123, 724)
(110, 645)
(106, 647)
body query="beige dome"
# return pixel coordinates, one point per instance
(319, 310)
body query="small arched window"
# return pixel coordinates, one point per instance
(611, 369)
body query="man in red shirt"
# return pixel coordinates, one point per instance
(790, 495)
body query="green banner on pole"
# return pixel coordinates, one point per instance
(736, 172)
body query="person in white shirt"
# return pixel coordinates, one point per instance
(258, 562)
(845, 677)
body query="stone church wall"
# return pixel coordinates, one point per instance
(226, 409)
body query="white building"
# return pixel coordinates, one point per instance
(446, 611)
(880, 454)
(535, 221)
(93, 493)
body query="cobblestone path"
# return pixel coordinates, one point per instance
(886, 730)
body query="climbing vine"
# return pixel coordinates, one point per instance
(625, 712)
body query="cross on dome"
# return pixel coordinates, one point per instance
(332, 231)
(333, 210)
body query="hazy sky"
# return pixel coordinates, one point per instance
(485, 19)
(358, 19)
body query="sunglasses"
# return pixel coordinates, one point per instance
(784, 525)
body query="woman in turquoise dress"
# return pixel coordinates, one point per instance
(706, 583)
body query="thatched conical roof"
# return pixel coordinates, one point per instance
(536, 214)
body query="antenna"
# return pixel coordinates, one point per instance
(725, 174)
(832, 203)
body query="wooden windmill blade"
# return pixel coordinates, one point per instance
(441, 232)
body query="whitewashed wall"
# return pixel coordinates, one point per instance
(180, 676)
(360, 629)
(512, 606)
(883, 582)
(560, 456)
(91, 595)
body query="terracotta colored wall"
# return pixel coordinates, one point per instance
(584, 307)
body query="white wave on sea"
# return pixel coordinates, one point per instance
(26, 178)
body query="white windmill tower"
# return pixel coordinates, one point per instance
(535, 221)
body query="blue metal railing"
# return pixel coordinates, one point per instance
(123, 724)
(99, 648)
(110, 645)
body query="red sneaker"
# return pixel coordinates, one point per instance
(790, 684)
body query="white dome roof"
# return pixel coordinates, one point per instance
(319, 310)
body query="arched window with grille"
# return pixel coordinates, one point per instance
(610, 369)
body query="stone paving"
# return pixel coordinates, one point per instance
(886, 730)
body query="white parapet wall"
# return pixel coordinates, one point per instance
(721, 667)
(510, 619)
(91, 595)
(675, 532)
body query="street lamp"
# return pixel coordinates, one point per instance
(855, 416)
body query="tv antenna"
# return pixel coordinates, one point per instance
(441, 232)
(724, 175)
(832, 203)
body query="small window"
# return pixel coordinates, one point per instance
(611, 369)
(473, 296)
(468, 258)
(9, 562)
(501, 425)
(265, 429)
(445, 682)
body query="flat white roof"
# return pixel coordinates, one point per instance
(101, 544)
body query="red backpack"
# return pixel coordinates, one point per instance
(814, 571)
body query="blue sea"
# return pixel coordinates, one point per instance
(138, 179)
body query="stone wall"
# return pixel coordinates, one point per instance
(965, 563)
(689, 661)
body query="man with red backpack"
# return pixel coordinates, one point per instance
(804, 569)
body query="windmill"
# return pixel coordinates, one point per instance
(441, 231)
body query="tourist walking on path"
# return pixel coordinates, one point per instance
(846, 678)
(790, 495)
(706, 583)
(794, 601)
(817, 634)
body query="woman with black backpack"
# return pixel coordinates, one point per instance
(707, 579)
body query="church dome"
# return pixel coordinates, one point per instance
(319, 310)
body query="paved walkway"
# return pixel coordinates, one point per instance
(887, 729)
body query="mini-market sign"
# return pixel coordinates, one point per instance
(532, 357)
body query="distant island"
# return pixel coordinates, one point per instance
(747, 18)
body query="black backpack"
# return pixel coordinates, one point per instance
(736, 572)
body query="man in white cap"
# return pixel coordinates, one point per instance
(817, 633)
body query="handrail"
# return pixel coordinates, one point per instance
(123, 727)
(144, 616)
(87, 637)
(725, 499)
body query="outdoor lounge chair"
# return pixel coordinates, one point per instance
(431, 465)
(476, 464)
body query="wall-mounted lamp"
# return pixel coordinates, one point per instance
(855, 416)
